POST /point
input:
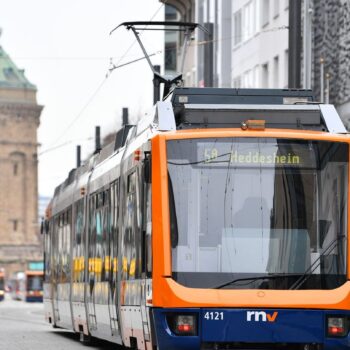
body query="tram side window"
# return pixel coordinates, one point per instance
(68, 244)
(106, 237)
(114, 233)
(98, 255)
(59, 248)
(55, 252)
(148, 229)
(100, 228)
(92, 238)
(78, 247)
(63, 246)
(47, 252)
(132, 236)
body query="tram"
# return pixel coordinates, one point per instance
(219, 221)
(27, 286)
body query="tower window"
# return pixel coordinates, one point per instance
(15, 169)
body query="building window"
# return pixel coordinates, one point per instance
(249, 22)
(237, 27)
(265, 12)
(15, 169)
(246, 22)
(276, 8)
(170, 13)
(256, 77)
(170, 56)
(286, 58)
(10, 74)
(237, 82)
(276, 72)
(265, 75)
(250, 79)
(15, 224)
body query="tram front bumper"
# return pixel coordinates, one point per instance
(250, 329)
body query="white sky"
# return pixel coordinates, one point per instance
(65, 48)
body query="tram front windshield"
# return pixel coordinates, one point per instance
(34, 283)
(258, 213)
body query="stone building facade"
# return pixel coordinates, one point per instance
(19, 120)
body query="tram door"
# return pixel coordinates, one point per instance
(113, 252)
(92, 263)
(56, 269)
(146, 245)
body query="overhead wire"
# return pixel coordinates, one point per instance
(118, 65)
(193, 43)
(100, 86)
(115, 66)
(62, 145)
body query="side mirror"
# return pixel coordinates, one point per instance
(147, 168)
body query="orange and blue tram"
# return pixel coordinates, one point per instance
(219, 221)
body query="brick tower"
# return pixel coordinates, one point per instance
(19, 120)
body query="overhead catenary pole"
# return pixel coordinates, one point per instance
(97, 139)
(294, 44)
(209, 56)
(216, 45)
(307, 49)
(321, 80)
(328, 77)
(125, 116)
(208, 49)
(78, 156)
(156, 85)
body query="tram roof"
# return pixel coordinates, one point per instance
(229, 108)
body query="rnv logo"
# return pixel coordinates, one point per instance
(261, 316)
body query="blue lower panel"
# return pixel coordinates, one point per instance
(275, 326)
(31, 299)
(229, 327)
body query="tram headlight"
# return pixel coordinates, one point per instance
(337, 326)
(182, 324)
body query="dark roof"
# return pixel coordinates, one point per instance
(10, 75)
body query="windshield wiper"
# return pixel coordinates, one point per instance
(308, 272)
(256, 278)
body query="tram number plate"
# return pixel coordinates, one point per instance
(214, 316)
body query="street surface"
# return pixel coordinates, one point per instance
(23, 327)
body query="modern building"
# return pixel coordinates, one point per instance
(179, 10)
(260, 43)
(248, 46)
(19, 120)
(331, 49)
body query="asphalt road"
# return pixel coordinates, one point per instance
(23, 327)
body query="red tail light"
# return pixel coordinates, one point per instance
(337, 326)
(185, 328)
(183, 324)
